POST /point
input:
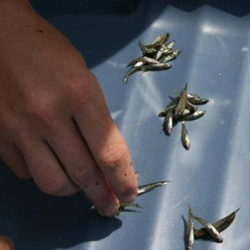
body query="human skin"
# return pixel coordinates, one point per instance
(6, 243)
(55, 126)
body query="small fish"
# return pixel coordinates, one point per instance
(196, 100)
(196, 115)
(173, 104)
(166, 110)
(155, 46)
(124, 205)
(191, 107)
(170, 57)
(146, 49)
(143, 60)
(165, 49)
(220, 225)
(148, 187)
(160, 40)
(213, 232)
(184, 137)
(153, 67)
(168, 48)
(185, 113)
(159, 54)
(168, 123)
(138, 64)
(224, 223)
(130, 72)
(193, 96)
(190, 230)
(182, 102)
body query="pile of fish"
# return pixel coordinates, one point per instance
(155, 56)
(182, 109)
(210, 231)
(141, 190)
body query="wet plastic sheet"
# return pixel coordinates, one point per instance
(213, 177)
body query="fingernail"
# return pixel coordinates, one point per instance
(129, 198)
(109, 211)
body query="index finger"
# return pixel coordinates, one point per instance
(105, 142)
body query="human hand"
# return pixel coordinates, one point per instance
(54, 122)
(6, 243)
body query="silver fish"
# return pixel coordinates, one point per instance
(143, 60)
(166, 110)
(192, 99)
(150, 49)
(130, 72)
(196, 115)
(224, 223)
(191, 107)
(220, 225)
(166, 50)
(146, 49)
(159, 54)
(169, 57)
(148, 187)
(190, 231)
(146, 68)
(168, 123)
(182, 102)
(185, 113)
(169, 46)
(184, 137)
(172, 104)
(153, 67)
(124, 205)
(196, 100)
(160, 40)
(213, 232)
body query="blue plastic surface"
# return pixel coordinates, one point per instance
(213, 177)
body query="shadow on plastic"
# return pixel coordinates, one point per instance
(34, 220)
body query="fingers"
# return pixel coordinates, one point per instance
(46, 169)
(14, 160)
(82, 169)
(105, 142)
(6, 243)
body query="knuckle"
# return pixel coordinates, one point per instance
(83, 175)
(81, 86)
(42, 111)
(114, 157)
